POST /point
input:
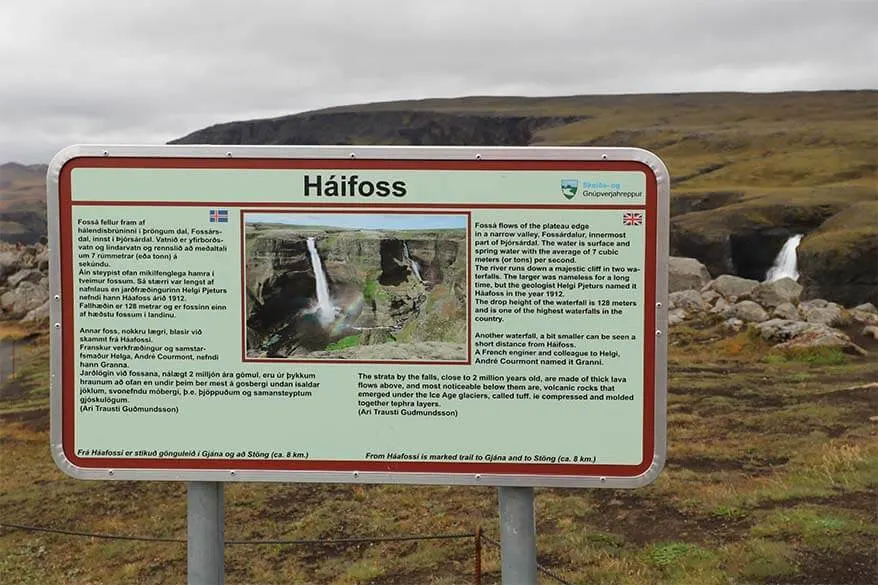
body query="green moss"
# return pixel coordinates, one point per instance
(762, 559)
(372, 290)
(344, 343)
(818, 356)
(816, 528)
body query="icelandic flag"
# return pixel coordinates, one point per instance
(219, 215)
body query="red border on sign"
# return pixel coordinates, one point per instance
(397, 210)
(68, 402)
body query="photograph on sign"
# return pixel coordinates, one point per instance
(356, 286)
(489, 321)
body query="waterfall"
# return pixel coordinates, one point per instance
(785, 263)
(325, 310)
(411, 261)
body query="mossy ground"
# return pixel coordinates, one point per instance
(771, 479)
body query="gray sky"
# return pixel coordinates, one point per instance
(111, 71)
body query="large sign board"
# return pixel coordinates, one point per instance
(482, 316)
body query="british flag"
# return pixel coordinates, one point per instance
(219, 215)
(632, 218)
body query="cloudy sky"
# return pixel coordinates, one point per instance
(111, 71)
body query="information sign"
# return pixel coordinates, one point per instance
(483, 316)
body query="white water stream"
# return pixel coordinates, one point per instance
(411, 261)
(325, 310)
(785, 263)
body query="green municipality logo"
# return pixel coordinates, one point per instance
(569, 187)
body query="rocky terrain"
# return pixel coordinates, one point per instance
(24, 282)
(774, 311)
(385, 287)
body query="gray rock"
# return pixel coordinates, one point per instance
(772, 294)
(41, 313)
(819, 335)
(690, 300)
(864, 317)
(734, 324)
(786, 311)
(27, 296)
(676, 316)
(720, 306)
(866, 308)
(709, 296)
(42, 260)
(686, 273)
(28, 274)
(10, 263)
(731, 287)
(799, 334)
(813, 304)
(870, 331)
(831, 314)
(780, 330)
(746, 311)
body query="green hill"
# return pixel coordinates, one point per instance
(748, 170)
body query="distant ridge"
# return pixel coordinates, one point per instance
(747, 169)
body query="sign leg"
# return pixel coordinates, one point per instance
(518, 543)
(205, 536)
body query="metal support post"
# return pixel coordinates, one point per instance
(518, 544)
(205, 535)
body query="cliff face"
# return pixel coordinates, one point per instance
(839, 261)
(380, 284)
(382, 127)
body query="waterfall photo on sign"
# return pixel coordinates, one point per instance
(356, 286)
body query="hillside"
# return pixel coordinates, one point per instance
(22, 202)
(748, 170)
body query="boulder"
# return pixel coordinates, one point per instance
(685, 274)
(870, 331)
(746, 311)
(786, 334)
(28, 274)
(42, 260)
(709, 296)
(864, 317)
(781, 330)
(866, 308)
(10, 263)
(27, 296)
(830, 315)
(734, 325)
(731, 287)
(720, 306)
(813, 303)
(690, 300)
(676, 316)
(778, 292)
(822, 336)
(41, 313)
(786, 311)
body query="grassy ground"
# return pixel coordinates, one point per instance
(771, 479)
